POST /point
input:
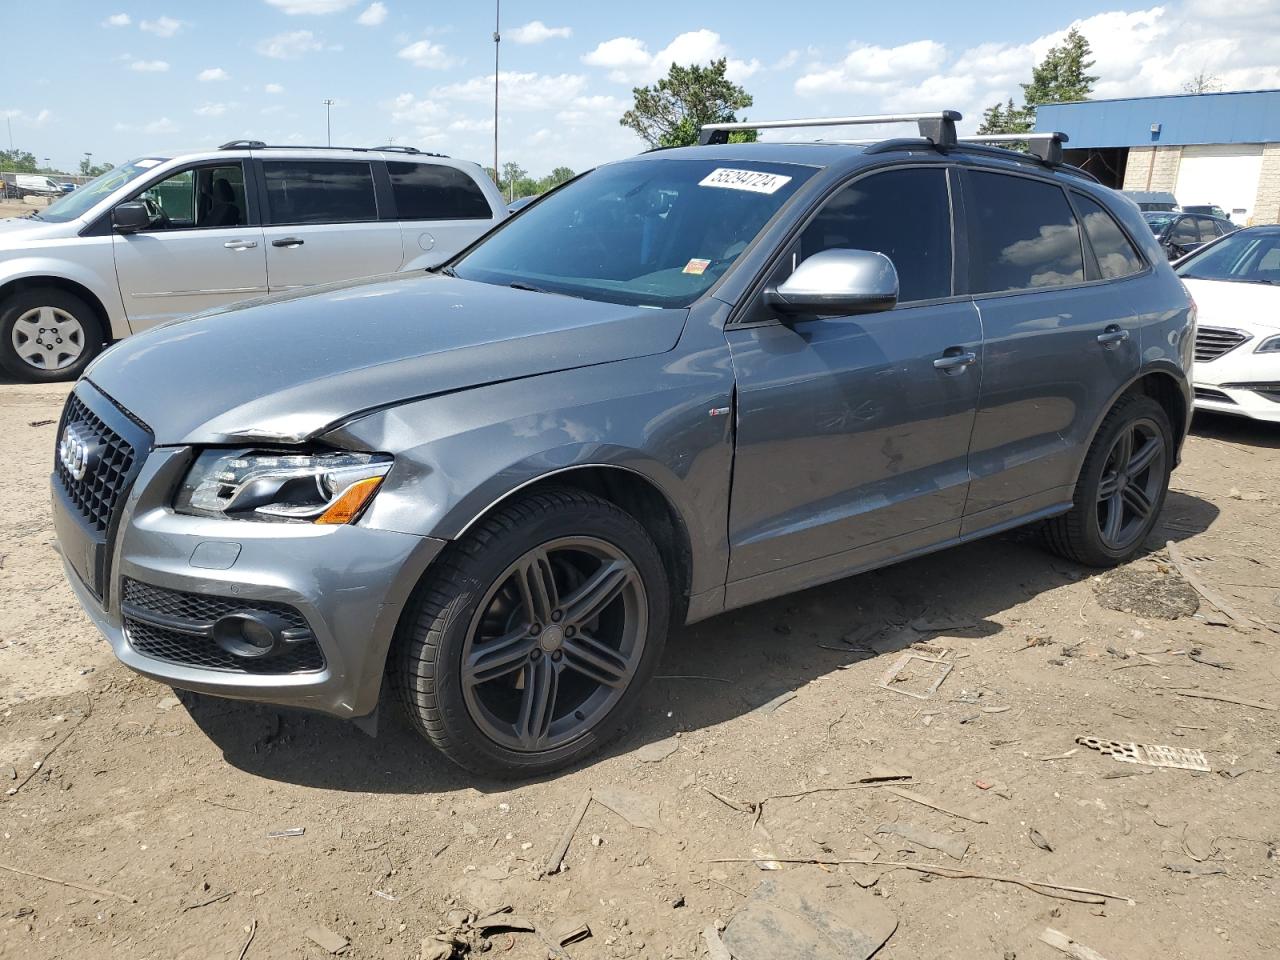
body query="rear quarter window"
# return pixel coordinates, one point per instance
(1116, 256)
(432, 191)
(1022, 234)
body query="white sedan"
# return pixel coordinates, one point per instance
(1236, 285)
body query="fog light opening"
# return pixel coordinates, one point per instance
(250, 635)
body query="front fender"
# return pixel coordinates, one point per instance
(94, 270)
(459, 454)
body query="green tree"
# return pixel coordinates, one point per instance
(557, 176)
(1061, 77)
(18, 161)
(671, 112)
(88, 169)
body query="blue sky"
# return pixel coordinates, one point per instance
(122, 78)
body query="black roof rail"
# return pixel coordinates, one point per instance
(1046, 146)
(939, 127)
(389, 148)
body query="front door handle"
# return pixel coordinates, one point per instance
(240, 244)
(1112, 337)
(287, 242)
(955, 360)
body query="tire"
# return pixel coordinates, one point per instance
(45, 322)
(1089, 533)
(471, 617)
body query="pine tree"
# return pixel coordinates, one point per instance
(1061, 77)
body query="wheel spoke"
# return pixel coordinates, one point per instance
(604, 586)
(48, 318)
(537, 705)
(537, 586)
(595, 660)
(1144, 456)
(1108, 486)
(1115, 519)
(498, 658)
(1137, 501)
(1123, 450)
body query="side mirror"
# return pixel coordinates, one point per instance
(130, 217)
(837, 283)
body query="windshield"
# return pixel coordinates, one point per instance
(1158, 222)
(651, 232)
(81, 200)
(1242, 257)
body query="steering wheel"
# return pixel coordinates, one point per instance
(155, 212)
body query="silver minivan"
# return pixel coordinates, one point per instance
(162, 237)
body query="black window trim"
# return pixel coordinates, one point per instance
(261, 172)
(394, 207)
(253, 212)
(741, 318)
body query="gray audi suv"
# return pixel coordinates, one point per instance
(679, 384)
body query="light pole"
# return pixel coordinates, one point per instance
(497, 41)
(328, 132)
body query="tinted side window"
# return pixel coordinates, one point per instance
(430, 191)
(1116, 255)
(1022, 234)
(904, 214)
(319, 191)
(1208, 230)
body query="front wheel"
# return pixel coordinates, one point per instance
(534, 634)
(1122, 487)
(47, 334)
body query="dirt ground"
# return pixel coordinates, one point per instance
(170, 806)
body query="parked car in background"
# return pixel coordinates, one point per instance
(166, 236)
(1152, 200)
(32, 184)
(681, 383)
(1181, 233)
(520, 204)
(1236, 285)
(1209, 209)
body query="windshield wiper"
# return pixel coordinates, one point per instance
(34, 215)
(447, 271)
(517, 285)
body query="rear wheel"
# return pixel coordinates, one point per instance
(534, 635)
(1122, 487)
(47, 334)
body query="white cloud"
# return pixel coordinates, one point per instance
(36, 120)
(630, 62)
(273, 88)
(373, 15)
(424, 53)
(211, 74)
(289, 46)
(163, 125)
(535, 31)
(406, 108)
(523, 91)
(295, 7)
(117, 20)
(591, 110)
(161, 26)
(213, 109)
(149, 66)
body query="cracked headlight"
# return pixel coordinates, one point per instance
(327, 488)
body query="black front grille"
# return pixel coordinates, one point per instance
(1213, 342)
(107, 478)
(176, 627)
(1208, 393)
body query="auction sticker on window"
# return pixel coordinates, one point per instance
(697, 267)
(753, 181)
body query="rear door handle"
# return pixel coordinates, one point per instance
(956, 359)
(240, 244)
(1112, 337)
(288, 242)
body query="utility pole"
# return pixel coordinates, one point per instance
(9, 121)
(497, 41)
(328, 130)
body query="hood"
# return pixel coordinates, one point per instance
(286, 368)
(1251, 307)
(19, 231)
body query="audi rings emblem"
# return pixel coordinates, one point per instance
(78, 451)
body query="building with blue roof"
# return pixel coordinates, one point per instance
(1220, 149)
